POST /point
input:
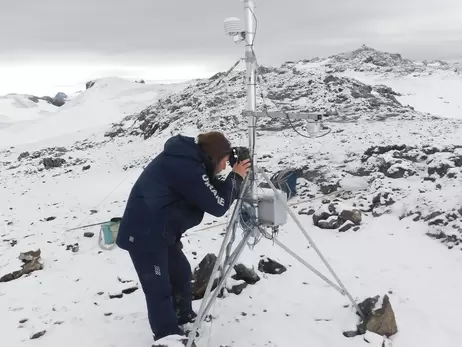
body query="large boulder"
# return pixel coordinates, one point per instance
(201, 276)
(379, 320)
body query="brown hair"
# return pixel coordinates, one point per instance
(215, 145)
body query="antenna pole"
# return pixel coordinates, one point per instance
(251, 70)
(251, 79)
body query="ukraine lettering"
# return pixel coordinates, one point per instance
(209, 185)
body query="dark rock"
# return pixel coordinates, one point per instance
(74, 248)
(270, 266)
(346, 226)
(457, 160)
(433, 215)
(351, 215)
(114, 132)
(441, 169)
(437, 221)
(201, 276)
(399, 172)
(50, 163)
(321, 215)
(237, 288)
(38, 335)
(130, 290)
(245, 274)
(332, 222)
(329, 188)
(351, 333)
(306, 211)
(86, 167)
(31, 262)
(23, 155)
(22, 321)
(49, 219)
(90, 84)
(88, 234)
(116, 295)
(382, 150)
(381, 321)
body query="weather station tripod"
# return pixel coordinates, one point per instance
(257, 209)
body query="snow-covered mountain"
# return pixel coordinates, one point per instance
(380, 195)
(108, 100)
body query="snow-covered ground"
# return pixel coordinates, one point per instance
(438, 93)
(389, 253)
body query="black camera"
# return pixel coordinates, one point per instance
(238, 154)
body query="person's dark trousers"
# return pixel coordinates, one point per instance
(164, 275)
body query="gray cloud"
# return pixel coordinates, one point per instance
(177, 31)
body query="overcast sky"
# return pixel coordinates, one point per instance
(63, 42)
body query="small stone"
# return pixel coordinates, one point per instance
(107, 314)
(38, 335)
(351, 215)
(238, 288)
(22, 321)
(116, 296)
(88, 234)
(350, 334)
(86, 167)
(245, 274)
(270, 266)
(130, 290)
(346, 226)
(49, 219)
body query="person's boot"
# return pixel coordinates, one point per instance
(163, 342)
(186, 317)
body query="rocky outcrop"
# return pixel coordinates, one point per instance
(58, 100)
(335, 216)
(31, 262)
(379, 320)
(213, 103)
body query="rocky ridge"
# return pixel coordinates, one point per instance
(219, 103)
(367, 59)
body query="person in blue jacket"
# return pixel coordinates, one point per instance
(171, 196)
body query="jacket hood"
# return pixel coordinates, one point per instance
(186, 147)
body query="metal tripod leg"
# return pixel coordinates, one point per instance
(293, 254)
(208, 300)
(230, 230)
(310, 240)
(226, 274)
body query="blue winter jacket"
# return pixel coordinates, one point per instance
(171, 196)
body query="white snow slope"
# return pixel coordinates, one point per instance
(108, 101)
(69, 298)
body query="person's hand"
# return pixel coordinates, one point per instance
(242, 168)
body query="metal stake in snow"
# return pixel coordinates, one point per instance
(273, 205)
